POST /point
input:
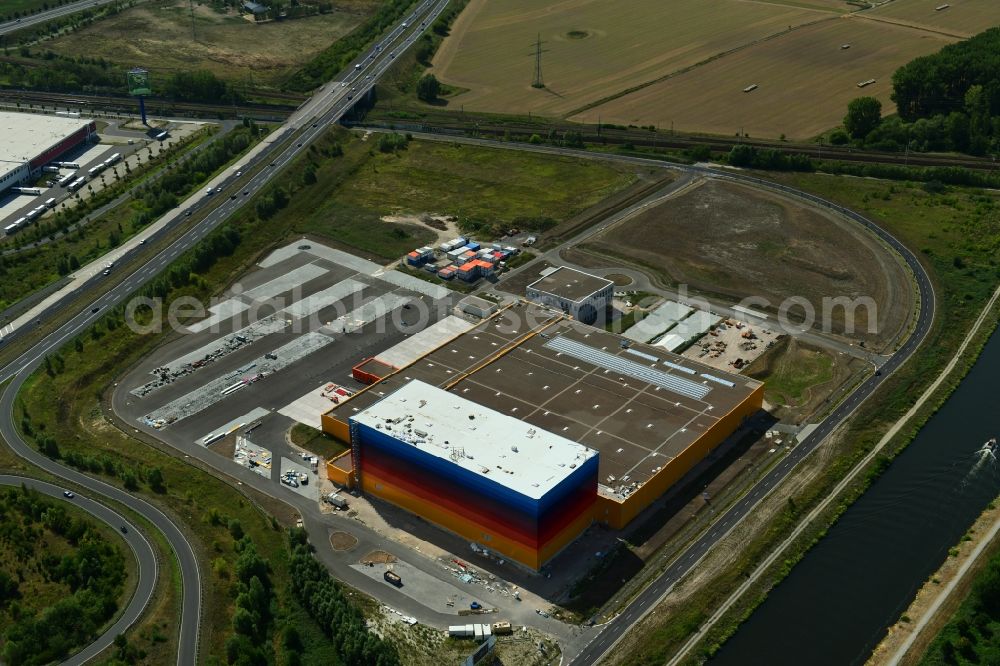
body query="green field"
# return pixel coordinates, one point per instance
(157, 35)
(316, 441)
(481, 185)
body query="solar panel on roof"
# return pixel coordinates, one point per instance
(648, 357)
(679, 367)
(718, 380)
(603, 359)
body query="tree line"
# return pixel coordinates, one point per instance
(52, 72)
(326, 603)
(949, 100)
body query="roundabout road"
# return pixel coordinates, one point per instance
(145, 557)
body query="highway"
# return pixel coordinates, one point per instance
(49, 14)
(311, 120)
(144, 554)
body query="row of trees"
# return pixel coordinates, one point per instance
(49, 71)
(255, 606)
(92, 574)
(327, 604)
(949, 100)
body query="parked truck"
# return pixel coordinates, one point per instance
(336, 500)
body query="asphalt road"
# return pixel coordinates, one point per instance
(327, 107)
(144, 555)
(48, 15)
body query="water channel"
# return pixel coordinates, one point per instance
(838, 602)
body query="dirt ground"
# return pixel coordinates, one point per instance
(962, 19)
(343, 541)
(592, 49)
(157, 35)
(727, 349)
(737, 243)
(444, 235)
(804, 82)
(378, 557)
(423, 646)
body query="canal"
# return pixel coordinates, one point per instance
(837, 603)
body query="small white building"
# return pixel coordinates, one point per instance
(583, 296)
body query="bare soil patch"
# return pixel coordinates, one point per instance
(804, 81)
(593, 49)
(157, 35)
(378, 557)
(343, 541)
(735, 242)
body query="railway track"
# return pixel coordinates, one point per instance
(125, 104)
(661, 139)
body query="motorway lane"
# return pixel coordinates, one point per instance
(141, 548)
(48, 15)
(333, 104)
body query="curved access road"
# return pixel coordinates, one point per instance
(308, 123)
(144, 555)
(607, 636)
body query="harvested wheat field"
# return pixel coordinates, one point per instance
(804, 81)
(962, 18)
(593, 48)
(736, 242)
(157, 35)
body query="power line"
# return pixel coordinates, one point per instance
(538, 82)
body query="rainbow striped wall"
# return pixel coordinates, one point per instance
(480, 509)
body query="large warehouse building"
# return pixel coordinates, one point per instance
(650, 416)
(494, 479)
(31, 141)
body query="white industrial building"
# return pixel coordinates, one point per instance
(30, 141)
(583, 296)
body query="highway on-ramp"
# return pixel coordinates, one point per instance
(145, 558)
(312, 119)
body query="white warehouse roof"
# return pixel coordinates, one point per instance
(28, 135)
(519, 456)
